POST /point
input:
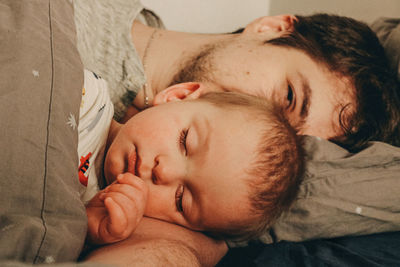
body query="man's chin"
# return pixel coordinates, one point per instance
(197, 68)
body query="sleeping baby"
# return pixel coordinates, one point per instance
(227, 164)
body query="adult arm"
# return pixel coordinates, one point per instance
(156, 243)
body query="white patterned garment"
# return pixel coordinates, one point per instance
(95, 117)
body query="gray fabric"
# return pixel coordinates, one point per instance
(344, 194)
(106, 48)
(41, 216)
(388, 32)
(70, 264)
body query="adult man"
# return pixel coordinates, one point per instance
(330, 105)
(319, 98)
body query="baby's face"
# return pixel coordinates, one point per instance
(193, 157)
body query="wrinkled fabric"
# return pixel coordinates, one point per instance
(106, 48)
(42, 219)
(388, 32)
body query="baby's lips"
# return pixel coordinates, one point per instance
(132, 161)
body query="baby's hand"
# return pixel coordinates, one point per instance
(114, 213)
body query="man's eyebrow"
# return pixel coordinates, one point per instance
(305, 106)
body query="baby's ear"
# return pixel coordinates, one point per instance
(268, 24)
(177, 92)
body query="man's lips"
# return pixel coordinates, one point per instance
(132, 159)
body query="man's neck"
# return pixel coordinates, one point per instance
(166, 52)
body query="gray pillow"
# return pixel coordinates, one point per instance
(343, 193)
(388, 32)
(42, 219)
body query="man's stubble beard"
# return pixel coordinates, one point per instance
(197, 68)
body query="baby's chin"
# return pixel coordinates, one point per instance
(112, 167)
(110, 175)
(108, 178)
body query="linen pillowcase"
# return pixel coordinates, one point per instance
(42, 218)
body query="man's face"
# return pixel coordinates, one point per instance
(193, 157)
(311, 96)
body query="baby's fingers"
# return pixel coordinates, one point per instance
(117, 220)
(132, 180)
(135, 195)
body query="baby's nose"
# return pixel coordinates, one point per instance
(164, 171)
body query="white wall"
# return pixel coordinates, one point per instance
(214, 16)
(366, 10)
(207, 16)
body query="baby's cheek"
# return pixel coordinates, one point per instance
(112, 167)
(152, 208)
(158, 206)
